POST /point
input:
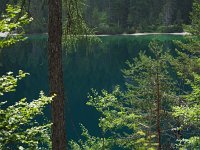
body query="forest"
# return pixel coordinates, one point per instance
(117, 16)
(74, 75)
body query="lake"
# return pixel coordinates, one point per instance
(97, 66)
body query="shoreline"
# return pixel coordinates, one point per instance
(143, 34)
(3, 35)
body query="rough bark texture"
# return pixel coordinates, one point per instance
(56, 74)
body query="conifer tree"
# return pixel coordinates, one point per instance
(141, 116)
(151, 90)
(188, 64)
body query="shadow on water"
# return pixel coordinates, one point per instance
(98, 68)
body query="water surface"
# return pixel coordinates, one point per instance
(98, 66)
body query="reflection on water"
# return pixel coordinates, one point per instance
(98, 67)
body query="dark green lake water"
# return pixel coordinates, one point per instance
(97, 67)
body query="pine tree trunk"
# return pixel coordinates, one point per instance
(56, 83)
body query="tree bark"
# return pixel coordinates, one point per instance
(56, 83)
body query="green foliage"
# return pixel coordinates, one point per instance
(191, 143)
(8, 82)
(111, 107)
(11, 25)
(142, 75)
(90, 142)
(19, 128)
(38, 9)
(151, 90)
(117, 116)
(128, 118)
(188, 64)
(189, 113)
(194, 28)
(170, 29)
(99, 21)
(130, 16)
(74, 27)
(115, 16)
